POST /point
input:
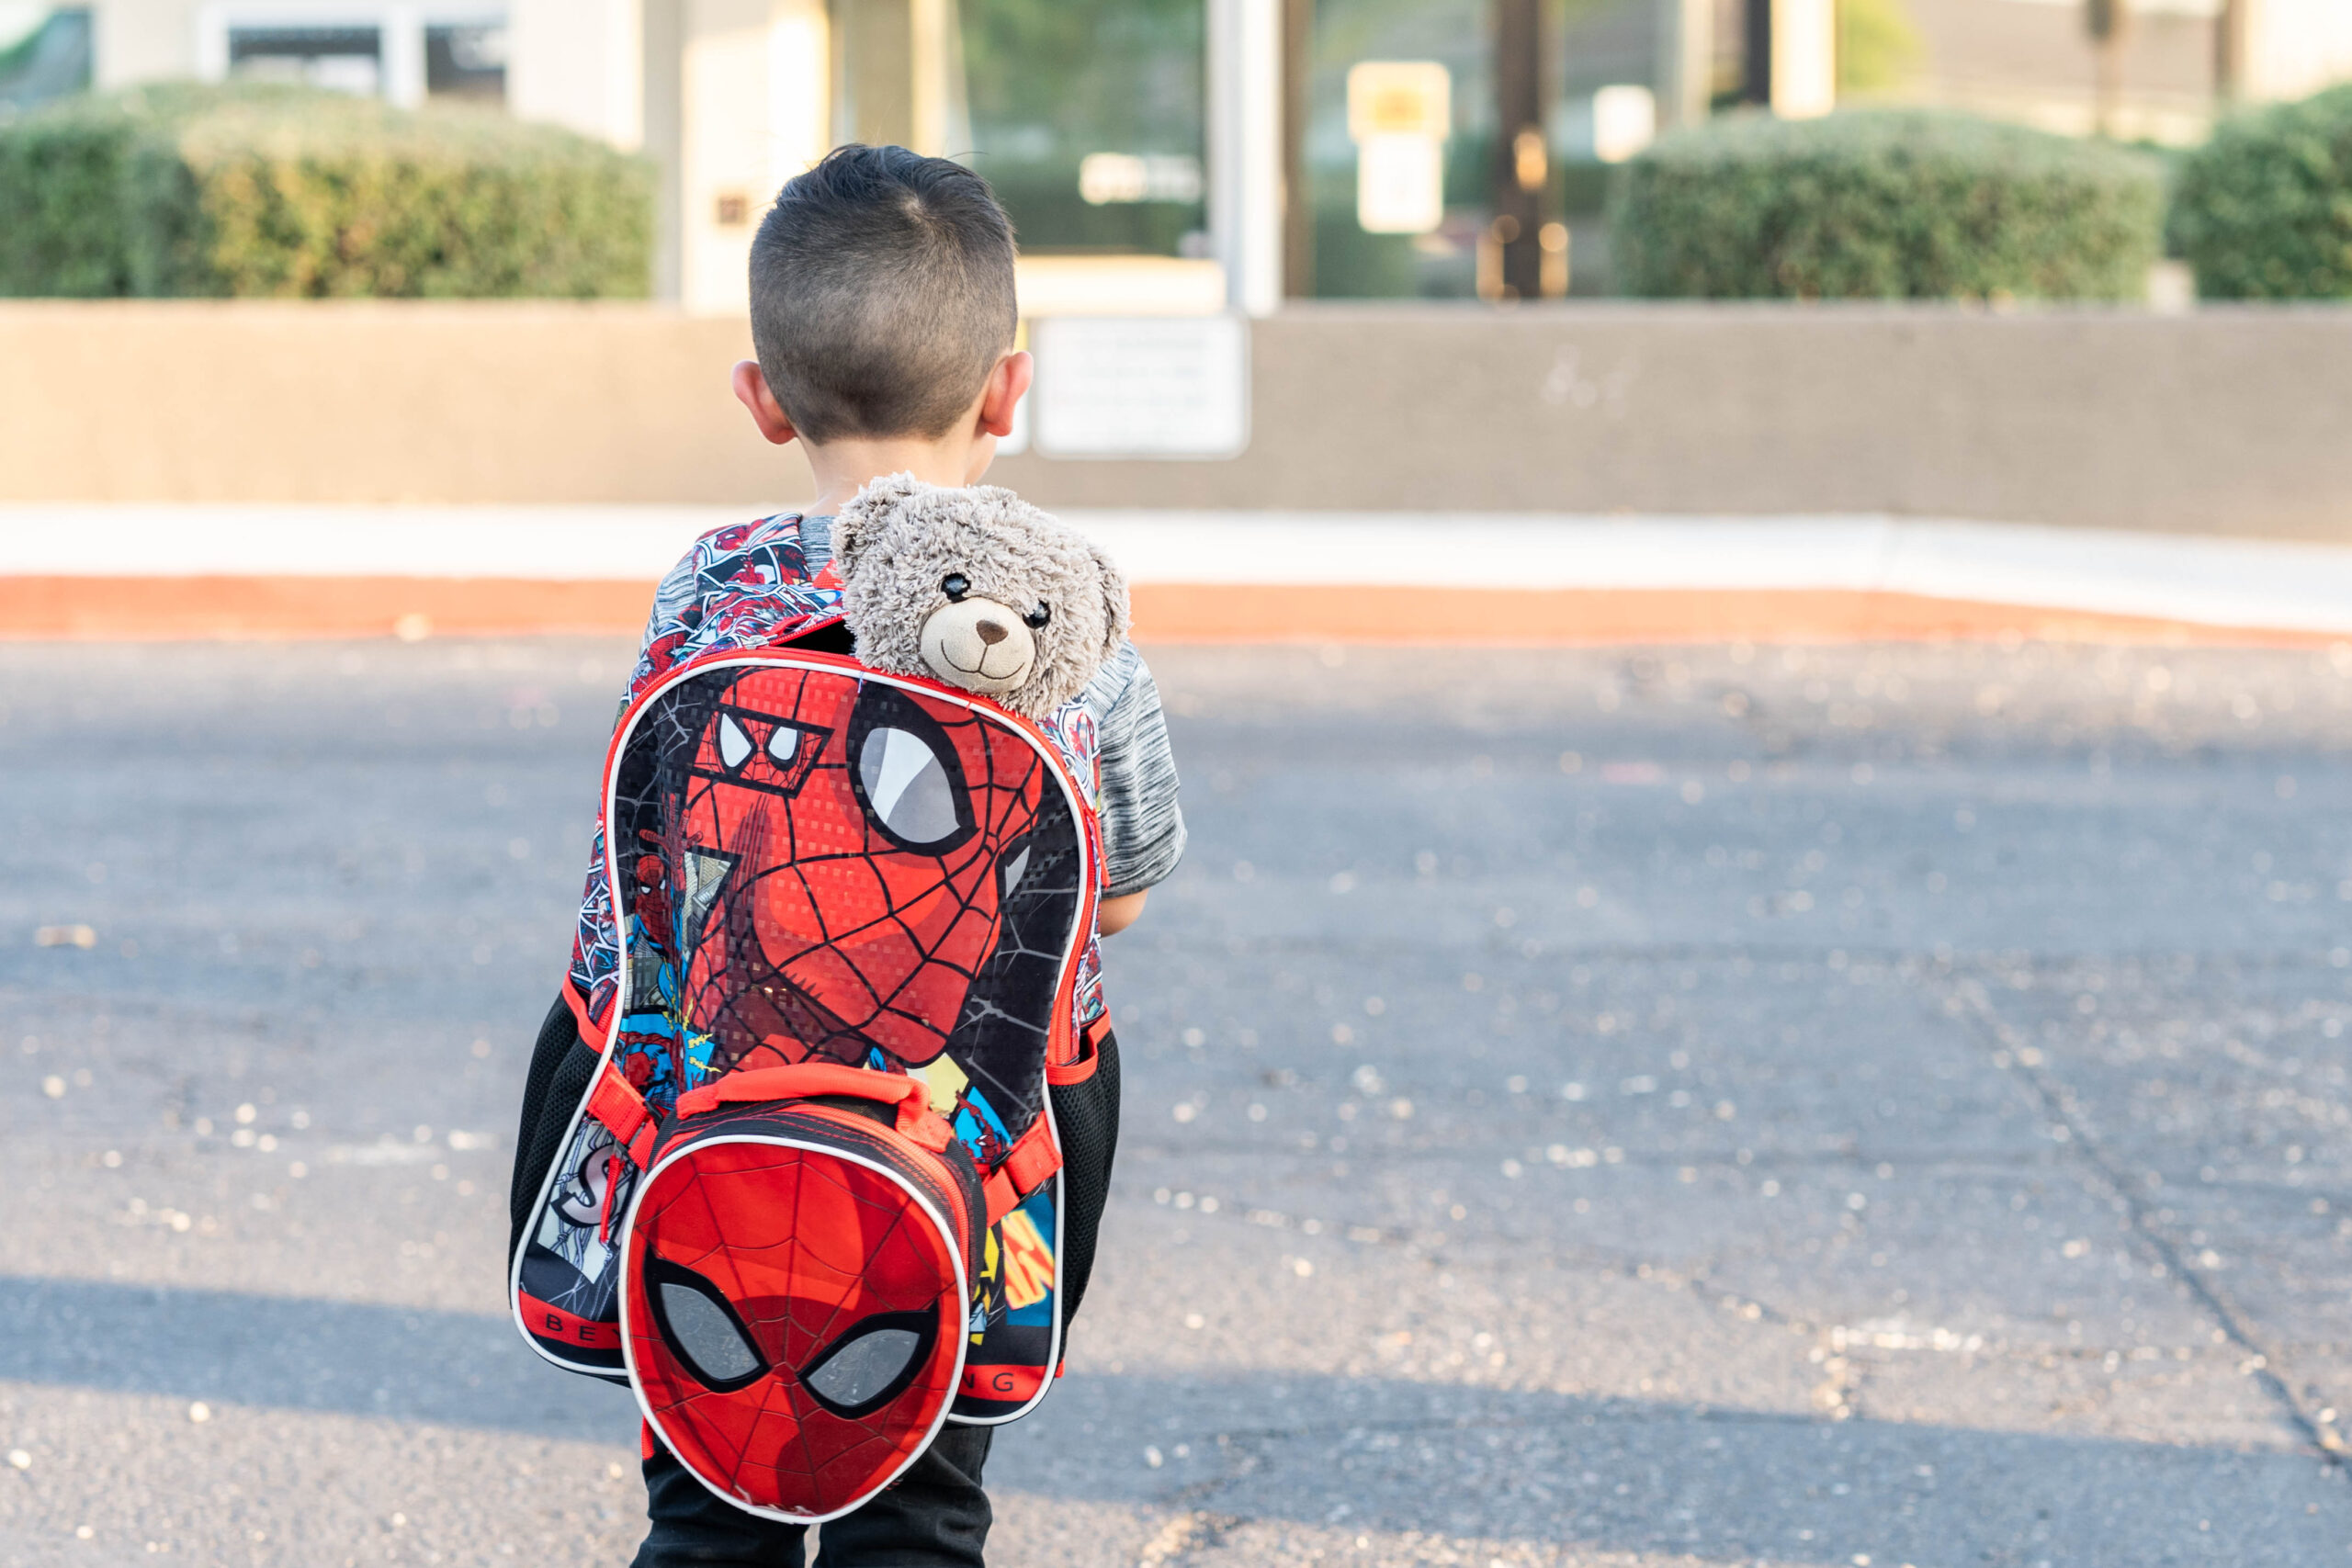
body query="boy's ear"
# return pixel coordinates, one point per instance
(1007, 383)
(752, 391)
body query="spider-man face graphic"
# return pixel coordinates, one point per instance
(841, 849)
(794, 1324)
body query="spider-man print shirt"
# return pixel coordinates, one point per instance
(893, 978)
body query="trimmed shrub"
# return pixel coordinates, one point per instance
(62, 175)
(270, 191)
(1885, 204)
(2264, 209)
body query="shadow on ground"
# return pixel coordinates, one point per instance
(1372, 1454)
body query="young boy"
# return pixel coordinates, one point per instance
(883, 315)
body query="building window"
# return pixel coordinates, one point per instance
(1347, 259)
(1087, 118)
(44, 53)
(401, 53)
(1516, 208)
(348, 60)
(1091, 122)
(466, 61)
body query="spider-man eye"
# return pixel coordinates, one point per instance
(907, 773)
(955, 585)
(906, 785)
(872, 1364)
(1038, 616)
(733, 744)
(700, 1326)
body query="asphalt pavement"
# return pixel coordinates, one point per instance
(1805, 1107)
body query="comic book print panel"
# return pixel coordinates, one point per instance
(1013, 1331)
(569, 1272)
(820, 866)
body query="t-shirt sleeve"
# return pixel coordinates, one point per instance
(1143, 827)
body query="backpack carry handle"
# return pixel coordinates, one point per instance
(809, 1080)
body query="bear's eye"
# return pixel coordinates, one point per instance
(1040, 615)
(955, 585)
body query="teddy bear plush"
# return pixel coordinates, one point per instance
(978, 588)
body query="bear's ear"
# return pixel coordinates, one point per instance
(1116, 615)
(861, 522)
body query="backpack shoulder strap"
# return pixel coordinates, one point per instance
(1029, 1165)
(625, 1114)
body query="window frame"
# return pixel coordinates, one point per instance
(399, 33)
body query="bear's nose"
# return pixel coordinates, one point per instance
(990, 632)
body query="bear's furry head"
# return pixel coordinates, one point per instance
(978, 588)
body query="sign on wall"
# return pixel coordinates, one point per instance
(1140, 386)
(1399, 112)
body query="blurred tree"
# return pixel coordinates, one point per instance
(2264, 209)
(1878, 46)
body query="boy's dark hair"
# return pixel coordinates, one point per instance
(881, 293)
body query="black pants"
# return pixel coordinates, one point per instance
(936, 1515)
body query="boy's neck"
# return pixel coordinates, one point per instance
(846, 465)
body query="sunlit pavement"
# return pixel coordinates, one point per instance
(1713, 1107)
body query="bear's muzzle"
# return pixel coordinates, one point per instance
(979, 644)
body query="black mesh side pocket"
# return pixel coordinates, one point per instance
(561, 1068)
(1087, 1116)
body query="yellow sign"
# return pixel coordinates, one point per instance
(1399, 97)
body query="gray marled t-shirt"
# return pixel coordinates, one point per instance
(1143, 828)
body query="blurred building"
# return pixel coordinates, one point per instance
(1181, 155)
(2174, 63)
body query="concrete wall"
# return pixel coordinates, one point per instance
(2224, 421)
(2237, 420)
(198, 400)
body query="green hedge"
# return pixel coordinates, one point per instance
(2264, 210)
(1885, 204)
(266, 191)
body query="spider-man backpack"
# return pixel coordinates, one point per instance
(809, 1201)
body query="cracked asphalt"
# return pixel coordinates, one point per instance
(1789, 1107)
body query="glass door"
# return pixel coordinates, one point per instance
(1088, 117)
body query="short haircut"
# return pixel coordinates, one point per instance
(881, 294)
